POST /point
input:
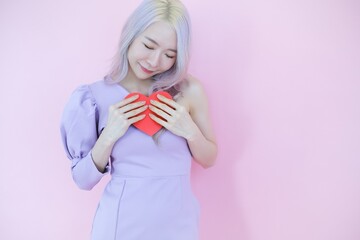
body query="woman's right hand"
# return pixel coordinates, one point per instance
(121, 116)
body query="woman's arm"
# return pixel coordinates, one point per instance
(203, 142)
(192, 123)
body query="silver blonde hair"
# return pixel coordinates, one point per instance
(147, 13)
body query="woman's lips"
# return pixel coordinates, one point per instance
(146, 70)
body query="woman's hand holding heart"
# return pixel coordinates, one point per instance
(121, 116)
(175, 117)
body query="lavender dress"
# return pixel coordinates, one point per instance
(149, 196)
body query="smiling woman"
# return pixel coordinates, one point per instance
(152, 52)
(149, 195)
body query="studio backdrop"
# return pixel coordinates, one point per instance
(283, 83)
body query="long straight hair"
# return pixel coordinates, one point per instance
(147, 13)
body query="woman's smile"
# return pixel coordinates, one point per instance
(145, 69)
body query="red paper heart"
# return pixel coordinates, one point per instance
(147, 125)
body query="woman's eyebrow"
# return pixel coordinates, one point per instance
(153, 41)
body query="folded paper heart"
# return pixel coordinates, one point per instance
(147, 125)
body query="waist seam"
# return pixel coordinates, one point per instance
(147, 177)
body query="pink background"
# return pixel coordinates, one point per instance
(283, 78)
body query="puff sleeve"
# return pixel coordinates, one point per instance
(79, 133)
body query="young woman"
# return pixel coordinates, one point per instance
(149, 195)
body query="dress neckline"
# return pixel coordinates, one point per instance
(127, 91)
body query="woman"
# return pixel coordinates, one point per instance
(149, 195)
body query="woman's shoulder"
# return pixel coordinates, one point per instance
(102, 89)
(85, 90)
(192, 88)
(192, 92)
(90, 92)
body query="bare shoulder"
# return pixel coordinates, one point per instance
(193, 88)
(193, 93)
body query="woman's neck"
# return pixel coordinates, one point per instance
(133, 84)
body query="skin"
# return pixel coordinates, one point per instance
(188, 117)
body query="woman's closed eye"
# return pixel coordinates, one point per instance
(151, 48)
(169, 56)
(148, 47)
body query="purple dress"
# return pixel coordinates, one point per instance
(149, 196)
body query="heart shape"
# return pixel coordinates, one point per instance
(147, 125)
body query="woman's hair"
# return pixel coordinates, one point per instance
(147, 13)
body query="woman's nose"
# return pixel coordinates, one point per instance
(154, 59)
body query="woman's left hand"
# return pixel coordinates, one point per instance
(178, 119)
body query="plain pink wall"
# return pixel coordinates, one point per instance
(283, 79)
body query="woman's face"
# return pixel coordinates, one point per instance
(153, 51)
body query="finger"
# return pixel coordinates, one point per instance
(163, 106)
(168, 101)
(136, 119)
(159, 112)
(159, 121)
(126, 101)
(135, 112)
(131, 106)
